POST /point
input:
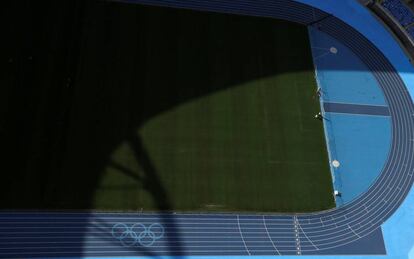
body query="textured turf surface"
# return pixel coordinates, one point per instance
(179, 110)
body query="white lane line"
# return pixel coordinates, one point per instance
(300, 227)
(353, 231)
(241, 235)
(267, 232)
(322, 55)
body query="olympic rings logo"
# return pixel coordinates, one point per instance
(137, 234)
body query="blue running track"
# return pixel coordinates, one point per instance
(356, 109)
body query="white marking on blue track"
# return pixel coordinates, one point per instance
(241, 235)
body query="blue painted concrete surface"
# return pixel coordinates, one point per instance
(349, 80)
(361, 144)
(399, 230)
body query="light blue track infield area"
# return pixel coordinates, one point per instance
(361, 144)
(349, 80)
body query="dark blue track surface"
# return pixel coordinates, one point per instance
(356, 109)
(56, 234)
(95, 234)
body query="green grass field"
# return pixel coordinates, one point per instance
(185, 111)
